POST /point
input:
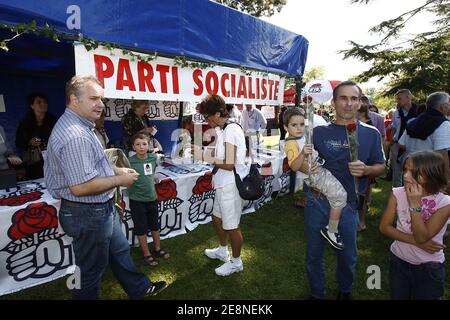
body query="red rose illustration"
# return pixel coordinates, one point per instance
(286, 167)
(166, 189)
(34, 218)
(20, 200)
(351, 127)
(203, 184)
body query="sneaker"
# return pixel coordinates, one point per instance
(334, 238)
(156, 287)
(216, 253)
(229, 268)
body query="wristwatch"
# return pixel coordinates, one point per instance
(416, 209)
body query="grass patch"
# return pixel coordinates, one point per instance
(273, 256)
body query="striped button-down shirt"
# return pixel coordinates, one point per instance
(75, 156)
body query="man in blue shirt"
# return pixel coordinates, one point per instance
(77, 171)
(331, 143)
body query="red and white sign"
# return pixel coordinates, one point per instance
(320, 90)
(268, 112)
(162, 79)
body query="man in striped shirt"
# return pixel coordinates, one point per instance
(77, 172)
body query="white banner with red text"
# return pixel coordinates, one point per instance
(125, 77)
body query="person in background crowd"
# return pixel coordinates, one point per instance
(388, 142)
(363, 114)
(235, 114)
(227, 210)
(332, 145)
(364, 192)
(33, 133)
(253, 122)
(137, 121)
(281, 127)
(431, 129)
(6, 153)
(77, 171)
(100, 131)
(406, 109)
(415, 217)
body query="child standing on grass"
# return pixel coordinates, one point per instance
(420, 212)
(143, 204)
(323, 182)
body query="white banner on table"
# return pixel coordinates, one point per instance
(34, 249)
(161, 79)
(115, 109)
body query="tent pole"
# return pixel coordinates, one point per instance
(298, 96)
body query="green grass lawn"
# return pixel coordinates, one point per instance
(273, 256)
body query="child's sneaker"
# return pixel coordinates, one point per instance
(334, 238)
(228, 268)
(217, 253)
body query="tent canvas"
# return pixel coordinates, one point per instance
(172, 28)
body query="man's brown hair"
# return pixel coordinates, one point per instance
(77, 84)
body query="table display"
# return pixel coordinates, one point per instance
(35, 250)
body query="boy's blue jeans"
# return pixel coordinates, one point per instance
(419, 282)
(98, 240)
(317, 212)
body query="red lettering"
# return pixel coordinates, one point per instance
(270, 89)
(257, 88)
(242, 90)
(175, 83)
(124, 76)
(145, 76)
(162, 69)
(196, 75)
(223, 78)
(100, 72)
(213, 88)
(233, 85)
(263, 89)
(251, 95)
(275, 94)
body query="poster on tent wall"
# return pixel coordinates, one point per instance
(115, 109)
(124, 77)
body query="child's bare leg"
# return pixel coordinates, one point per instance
(143, 244)
(156, 240)
(333, 222)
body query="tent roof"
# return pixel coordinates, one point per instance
(198, 29)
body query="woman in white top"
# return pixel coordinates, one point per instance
(230, 154)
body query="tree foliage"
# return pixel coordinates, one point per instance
(256, 8)
(314, 73)
(421, 63)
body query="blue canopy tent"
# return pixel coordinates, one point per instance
(197, 29)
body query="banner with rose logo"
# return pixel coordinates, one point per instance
(35, 250)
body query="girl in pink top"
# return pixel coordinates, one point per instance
(416, 218)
